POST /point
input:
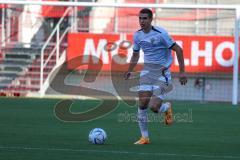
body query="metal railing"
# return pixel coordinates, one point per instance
(44, 82)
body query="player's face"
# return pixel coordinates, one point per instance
(145, 21)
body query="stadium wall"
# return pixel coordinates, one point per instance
(208, 60)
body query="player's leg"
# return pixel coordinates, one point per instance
(144, 98)
(157, 106)
(156, 103)
(144, 94)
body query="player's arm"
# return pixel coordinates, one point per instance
(133, 63)
(179, 53)
(135, 55)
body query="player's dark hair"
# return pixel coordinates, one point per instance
(147, 11)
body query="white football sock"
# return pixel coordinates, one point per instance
(142, 121)
(164, 107)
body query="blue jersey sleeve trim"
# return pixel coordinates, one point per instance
(172, 45)
(137, 51)
(156, 30)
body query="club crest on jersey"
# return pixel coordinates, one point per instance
(152, 40)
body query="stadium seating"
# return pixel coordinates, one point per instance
(21, 71)
(15, 65)
(20, 61)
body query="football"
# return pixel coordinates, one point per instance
(97, 136)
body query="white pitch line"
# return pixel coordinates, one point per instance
(121, 152)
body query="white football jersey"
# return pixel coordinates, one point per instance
(156, 46)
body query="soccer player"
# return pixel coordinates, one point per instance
(155, 78)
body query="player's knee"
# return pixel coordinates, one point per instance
(143, 107)
(154, 108)
(143, 102)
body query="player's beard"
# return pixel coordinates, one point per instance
(145, 27)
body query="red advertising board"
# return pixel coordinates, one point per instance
(53, 11)
(201, 53)
(3, 6)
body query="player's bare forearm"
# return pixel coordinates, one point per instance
(179, 53)
(133, 63)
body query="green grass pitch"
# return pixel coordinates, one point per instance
(30, 130)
